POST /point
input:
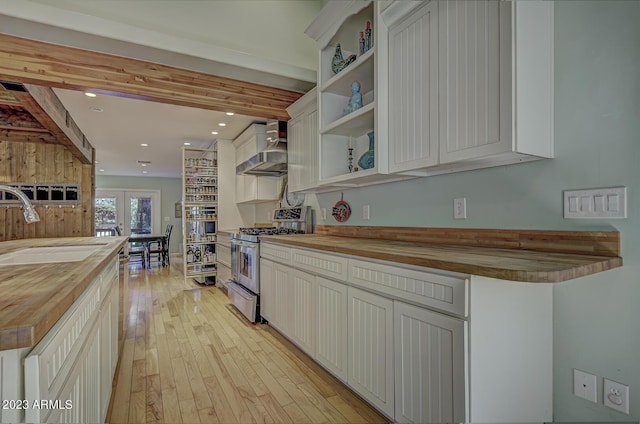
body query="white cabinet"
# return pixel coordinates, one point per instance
(302, 303)
(254, 189)
(268, 292)
(370, 353)
(421, 345)
(302, 143)
(331, 328)
(108, 339)
(340, 130)
(75, 362)
(429, 353)
(413, 90)
(471, 84)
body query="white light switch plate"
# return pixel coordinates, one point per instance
(585, 385)
(596, 203)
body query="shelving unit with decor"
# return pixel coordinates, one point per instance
(340, 22)
(199, 214)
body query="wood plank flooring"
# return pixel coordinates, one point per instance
(190, 357)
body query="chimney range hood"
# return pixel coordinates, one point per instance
(272, 161)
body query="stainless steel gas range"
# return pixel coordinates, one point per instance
(244, 287)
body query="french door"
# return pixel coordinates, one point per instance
(132, 211)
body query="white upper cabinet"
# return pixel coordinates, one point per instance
(345, 132)
(302, 143)
(471, 84)
(413, 90)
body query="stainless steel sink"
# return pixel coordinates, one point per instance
(42, 255)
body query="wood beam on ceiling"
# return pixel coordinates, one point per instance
(40, 63)
(44, 105)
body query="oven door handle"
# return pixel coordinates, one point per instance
(244, 244)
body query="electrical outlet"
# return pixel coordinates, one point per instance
(323, 213)
(585, 385)
(616, 396)
(365, 212)
(460, 208)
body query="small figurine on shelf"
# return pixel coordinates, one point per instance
(367, 37)
(338, 63)
(361, 44)
(355, 101)
(350, 159)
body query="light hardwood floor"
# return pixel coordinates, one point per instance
(190, 357)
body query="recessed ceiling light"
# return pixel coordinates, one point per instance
(144, 172)
(222, 124)
(101, 170)
(144, 144)
(96, 162)
(97, 109)
(89, 94)
(186, 143)
(214, 132)
(230, 113)
(143, 164)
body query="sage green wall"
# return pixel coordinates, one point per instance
(597, 144)
(170, 194)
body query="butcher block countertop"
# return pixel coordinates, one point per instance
(35, 296)
(517, 255)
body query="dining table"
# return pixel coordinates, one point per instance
(147, 239)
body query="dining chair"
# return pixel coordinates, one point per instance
(139, 250)
(161, 248)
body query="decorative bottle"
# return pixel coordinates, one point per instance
(189, 256)
(361, 43)
(367, 37)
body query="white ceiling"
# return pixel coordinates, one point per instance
(124, 124)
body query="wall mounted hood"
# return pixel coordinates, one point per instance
(272, 161)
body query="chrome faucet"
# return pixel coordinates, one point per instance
(30, 214)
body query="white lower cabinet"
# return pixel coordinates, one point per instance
(268, 296)
(370, 357)
(429, 376)
(331, 328)
(421, 345)
(302, 310)
(72, 367)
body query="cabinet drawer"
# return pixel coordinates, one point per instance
(276, 253)
(438, 291)
(320, 263)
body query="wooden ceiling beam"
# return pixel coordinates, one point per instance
(26, 135)
(40, 63)
(43, 104)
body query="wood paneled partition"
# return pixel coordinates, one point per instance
(47, 164)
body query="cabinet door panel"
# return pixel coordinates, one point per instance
(268, 292)
(284, 298)
(331, 339)
(370, 365)
(413, 91)
(303, 307)
(429, 366)
(474, 79)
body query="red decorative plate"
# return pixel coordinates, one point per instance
(341, 211)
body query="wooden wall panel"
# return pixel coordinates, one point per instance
(46, 163)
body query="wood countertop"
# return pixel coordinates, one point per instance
(35, 296)
(514, 264)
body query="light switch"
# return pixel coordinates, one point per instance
(596, 203)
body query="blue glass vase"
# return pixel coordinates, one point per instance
(367, 160)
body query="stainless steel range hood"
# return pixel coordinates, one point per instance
(272, 161)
